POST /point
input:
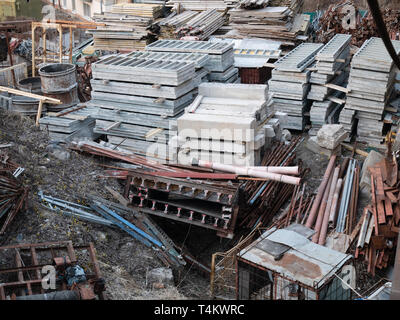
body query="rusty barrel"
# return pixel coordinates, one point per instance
(58, 80)
(25, 105)
(31, 84)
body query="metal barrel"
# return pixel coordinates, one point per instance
(25, 105)
(31, 84)
(58, 80)
(69, 99)
(57, 77)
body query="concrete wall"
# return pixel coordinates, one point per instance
(95, 6)
(312, 5)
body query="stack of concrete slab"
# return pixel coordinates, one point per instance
(289, 84)
(70, 123)
(224, 124)
(221, 56)
(140, 99)
(372, 79)
(330, 75)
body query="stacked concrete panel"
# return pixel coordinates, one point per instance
(224, 124)
(330, 67)
(76, 122)
(140, 98)
(290, 84)
(221, 56)
(372, 79)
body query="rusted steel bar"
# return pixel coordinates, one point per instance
(335, 201)
(325, 220)
(321, 210)
(313, 214)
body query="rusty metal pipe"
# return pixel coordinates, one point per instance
(320, 193)
(325, 221)
(335, 201)
(321, 211)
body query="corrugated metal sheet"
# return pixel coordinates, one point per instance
(305, 261)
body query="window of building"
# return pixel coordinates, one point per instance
(73, 5)
(86, 10)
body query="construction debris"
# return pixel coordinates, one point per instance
(202, 26)
(336, 201)
(275, 23)
(13, 195)
(77, 273)
(345, 18)
(377, 239)
(331, 135)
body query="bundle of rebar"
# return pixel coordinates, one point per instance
(13, 195)
(265, 198)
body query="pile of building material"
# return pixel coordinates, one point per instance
(264, 199)
(173, 22)
(221, 57)
(224, 124)
(335, 205)
(13, 193)
(140, 99)
(380, 222)
(153, 11)
(74, 122)
(204, 198)
(371, 86)
(127, 27)
(289, 84)
(253, 4)
(203, 25)
(22, 264)
(328, 80)
(202, 5)
(275, 23)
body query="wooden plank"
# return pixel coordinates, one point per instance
(373, 200)
(13, 67)
(39, 113)
(380, 192)
(30, 95)
(396, 214)
(336, 87)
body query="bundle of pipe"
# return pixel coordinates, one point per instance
(263, 172)
(326, 211)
